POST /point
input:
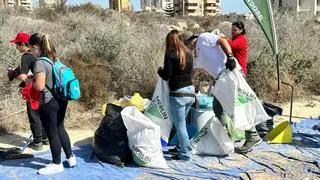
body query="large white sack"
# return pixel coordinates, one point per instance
(238, 100)
(144, 138)
(200, 117)
(212, 139)
(159, 110)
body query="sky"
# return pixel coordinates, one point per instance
(227, 6)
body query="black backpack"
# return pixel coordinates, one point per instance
(110, 142)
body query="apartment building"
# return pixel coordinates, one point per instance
(27, 4)
(312, 6)
(48, 3)
(197, 7)
(151, 5)
(120, 5)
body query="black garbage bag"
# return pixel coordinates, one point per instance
(265, 127)
(110, 142)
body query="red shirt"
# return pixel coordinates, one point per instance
(239, 46)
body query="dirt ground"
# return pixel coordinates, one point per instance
(301, 108)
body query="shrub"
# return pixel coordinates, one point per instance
(118, 54)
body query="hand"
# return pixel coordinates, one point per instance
(13, 73)
(231, 63)
(29, 80)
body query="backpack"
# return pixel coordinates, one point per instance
(65, 85)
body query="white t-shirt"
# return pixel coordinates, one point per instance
(209, 55)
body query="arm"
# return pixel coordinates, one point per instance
(166, 72)
(231, 61)
(224, 44)
(39, 81)
(22, 77)
(39, 76)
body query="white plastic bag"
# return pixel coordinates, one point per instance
(200, 117)
(159, 110)
(212, 139)
(143, 136)
(238, 100)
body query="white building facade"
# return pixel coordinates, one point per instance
(312, 6)
(26, 4)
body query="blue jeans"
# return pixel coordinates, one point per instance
(180, 107)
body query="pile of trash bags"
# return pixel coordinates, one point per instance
(135, 129)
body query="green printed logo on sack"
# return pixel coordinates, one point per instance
(156, 109)
(200, 135)
(244, 97)
(139, 157)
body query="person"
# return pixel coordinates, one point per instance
(51, 109)
(27, 64)
(239, 44)
(214, 54)
(177, 70)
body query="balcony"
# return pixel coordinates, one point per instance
(212, 1)
(192, 1)
(192, 7)
(210, 7)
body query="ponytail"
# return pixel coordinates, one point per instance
(46, 46)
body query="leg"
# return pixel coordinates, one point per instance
(252, 135)
(252, 140)
(63, 135)
(179, 119)
(48, 115)
(218, 110)
(35, 124)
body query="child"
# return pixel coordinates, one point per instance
(51, 109)
(27, 64)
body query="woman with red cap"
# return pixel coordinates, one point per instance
(26, 66)
(51, 109)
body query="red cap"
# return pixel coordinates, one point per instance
(22, 37)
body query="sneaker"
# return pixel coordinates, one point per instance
(45, 141)
(247, 147)
(51, 169)
(178, 158)
(72, 161)
(174, 151)
(35, 146)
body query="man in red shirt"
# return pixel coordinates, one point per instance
(239, 44)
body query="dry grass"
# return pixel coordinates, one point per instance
(118, 54)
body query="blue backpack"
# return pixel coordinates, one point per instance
(65, 85)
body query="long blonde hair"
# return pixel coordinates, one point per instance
(173, 42)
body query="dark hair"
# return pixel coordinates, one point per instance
(21, 43)
(45, 45)
(240, 25)
(173, 42)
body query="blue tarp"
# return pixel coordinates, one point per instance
(301, 158)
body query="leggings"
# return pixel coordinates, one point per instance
(52, 118)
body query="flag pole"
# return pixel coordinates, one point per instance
(275, 49)
(278, 71)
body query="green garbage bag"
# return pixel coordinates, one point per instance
(235, 134)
